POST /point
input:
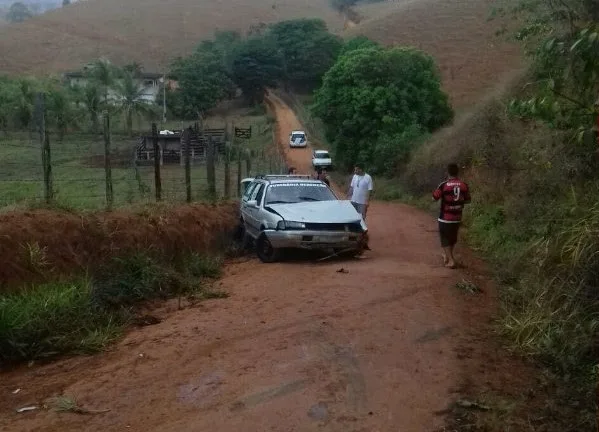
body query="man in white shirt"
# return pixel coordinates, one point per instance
(359, 190)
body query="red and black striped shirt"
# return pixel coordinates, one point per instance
(453, 193)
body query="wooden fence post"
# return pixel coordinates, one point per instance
(239, 173)
(210, 169)
(107, 161)
(227, 189)
(45, 147)
(157, 160)
(227, 171)
(187, 141)
(248, 162)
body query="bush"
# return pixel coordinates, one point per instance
(51, 319)
(376, 103)
(86, 315)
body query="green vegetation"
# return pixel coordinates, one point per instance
(78, 168)
(72, 107)
(18, 12)
(378, 103)
(532, 163)
(294, 54)
(85, 315)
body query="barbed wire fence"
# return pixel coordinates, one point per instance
(106, 171)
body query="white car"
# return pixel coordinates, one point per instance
(298, 139)
(321, 159)
(280, 212)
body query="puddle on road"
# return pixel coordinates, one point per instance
(202, 391)
(433, 335)
(268, 394)
(319, 412)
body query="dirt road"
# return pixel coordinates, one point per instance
(298, 346)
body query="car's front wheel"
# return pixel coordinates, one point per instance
(265, 251)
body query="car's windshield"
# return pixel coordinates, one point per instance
(297, 135)
(321, 155)
(290, 193)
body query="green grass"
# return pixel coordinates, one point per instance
(86, 315)
(79, 177)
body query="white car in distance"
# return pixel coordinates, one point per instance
(298, 139)
(321, 159)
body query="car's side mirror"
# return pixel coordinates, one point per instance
(253, 203)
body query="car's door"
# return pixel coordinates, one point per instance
(245, 213)
(254, 213)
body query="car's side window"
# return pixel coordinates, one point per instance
(258, 188)
(249, 190)
(260, 194)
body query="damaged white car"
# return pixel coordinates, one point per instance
(281, 212)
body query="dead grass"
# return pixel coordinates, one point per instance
(471, 58)
(151, 32)
(41, 245)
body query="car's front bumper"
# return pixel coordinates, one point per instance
(308, 239)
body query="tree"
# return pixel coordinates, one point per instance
(18, 12)
(92, 100)
(255, 65)
(60, 109)
(10, 94)
(308, 51)
(203, 81)
(24, 108)
(358, 42)
(375, 97)
(66, 2)
(134, 69)
(562, 38)
(103, 74)
(131, 102)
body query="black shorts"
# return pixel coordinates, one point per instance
(448, 232)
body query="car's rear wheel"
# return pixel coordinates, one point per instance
(266, 253)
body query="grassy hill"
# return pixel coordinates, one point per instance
(472, 59)
(151, 32)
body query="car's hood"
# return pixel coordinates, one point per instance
(318, 212)
(322, 160)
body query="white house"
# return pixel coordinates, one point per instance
(149, 83)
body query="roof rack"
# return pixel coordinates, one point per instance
(275, 176)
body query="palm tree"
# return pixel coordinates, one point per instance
(90, 96)
(60, 109)
(105, 75)
(131, 101)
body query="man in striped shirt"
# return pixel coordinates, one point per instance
(454, 194)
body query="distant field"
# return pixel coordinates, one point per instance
(78, 169)
(457, 33)
(151, 32)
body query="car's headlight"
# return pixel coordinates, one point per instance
(282, 225)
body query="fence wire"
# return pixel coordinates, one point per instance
(78, 178)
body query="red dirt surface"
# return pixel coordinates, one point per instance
(385, 345)
(74, 242)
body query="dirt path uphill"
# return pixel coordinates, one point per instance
(297, 346)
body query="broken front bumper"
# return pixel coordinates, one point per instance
(307, 239)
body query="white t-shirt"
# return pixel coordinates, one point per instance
(361, 186)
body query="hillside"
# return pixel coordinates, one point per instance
(472, 59)
(150, 32)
